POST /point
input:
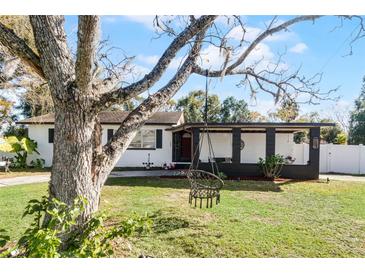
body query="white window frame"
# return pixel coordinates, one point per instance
(142, 133)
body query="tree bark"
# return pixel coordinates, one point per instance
(72, 171)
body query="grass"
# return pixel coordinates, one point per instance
(23, 172)
(254, 219)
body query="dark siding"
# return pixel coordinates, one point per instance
(110, 133)
(159, 138)
(314, 153)
(176, 146)
(196, 140)
(270, 141)
(235, 170)
(50, 135)
(236, 144)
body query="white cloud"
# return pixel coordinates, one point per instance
(261, 57)
(153, 59)
(299, 48)
(252, 33)
(148, 59)
(146, 20)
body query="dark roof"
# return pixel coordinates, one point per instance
(114, 117)
(253, 125)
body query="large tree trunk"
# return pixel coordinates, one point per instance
(72, 172)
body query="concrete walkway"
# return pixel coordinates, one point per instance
(149, 173)
(145, 173)
(22, 180)
(342, 177)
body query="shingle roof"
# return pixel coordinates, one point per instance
(115, 117)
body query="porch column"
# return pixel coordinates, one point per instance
(314, 145)
(236, 145)
(195, 153)
(270, 141)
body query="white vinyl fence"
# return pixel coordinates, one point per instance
(349, 159)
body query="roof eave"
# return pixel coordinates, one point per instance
(251, 125)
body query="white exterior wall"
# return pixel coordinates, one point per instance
(39, 133)
(135, 158)
(285, 146)
(221, 143)
(255, 147)
(301, 154)
(131, 158)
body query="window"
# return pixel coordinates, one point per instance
(110, 133)
(145, 138)
(50, 135)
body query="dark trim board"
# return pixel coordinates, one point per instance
(252, 125)
(305, 172)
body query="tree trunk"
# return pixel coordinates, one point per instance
(72, 174)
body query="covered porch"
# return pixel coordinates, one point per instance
(238, 146)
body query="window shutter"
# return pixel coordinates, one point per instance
(50, 135)
(110, 133)
(159, 138)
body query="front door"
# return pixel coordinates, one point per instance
(186, 147)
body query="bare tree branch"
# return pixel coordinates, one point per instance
(56, 59)
(123, 94)
(88, 36)
(127, 130)
(19, 48)
(268, 32)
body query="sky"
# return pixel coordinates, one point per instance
(315, 47)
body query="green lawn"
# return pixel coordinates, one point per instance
(254, 219)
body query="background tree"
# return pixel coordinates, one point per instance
(35, 101)
(357, 119)
(257, 117)
(234, 110)
(333, 135)
(193, 106)
(79, 92)
(288, 111)
(35, 98)
(5, 112)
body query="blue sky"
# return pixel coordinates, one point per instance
(314, 47)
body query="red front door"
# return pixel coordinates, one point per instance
(186, 147)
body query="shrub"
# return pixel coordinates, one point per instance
(37, 163)
(271, 166)
(60, 237)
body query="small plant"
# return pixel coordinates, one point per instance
(38, 163)
(222, 175)
(3, 238)
(60, 237)
(272, 165)
(22, 147)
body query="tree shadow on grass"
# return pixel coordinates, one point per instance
(164, 224)
(242, 185)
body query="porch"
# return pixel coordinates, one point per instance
(238, 146)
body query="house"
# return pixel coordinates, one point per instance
(166, 138)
